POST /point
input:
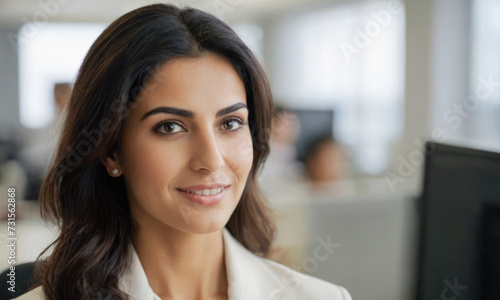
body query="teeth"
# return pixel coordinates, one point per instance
(206, 192)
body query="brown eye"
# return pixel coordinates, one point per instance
(168, 128)
(232, 124)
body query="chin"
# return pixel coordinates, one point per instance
(204, 221)
(205, 225)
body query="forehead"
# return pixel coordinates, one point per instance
(201, 84)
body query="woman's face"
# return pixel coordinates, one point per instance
(188, 128)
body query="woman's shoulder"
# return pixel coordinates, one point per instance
(34, 294)
(255, 277)
(303, 286)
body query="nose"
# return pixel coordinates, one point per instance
(206, 154)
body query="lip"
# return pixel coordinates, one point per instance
(204, 187)
(202, 199)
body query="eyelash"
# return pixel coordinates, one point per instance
(159, 126)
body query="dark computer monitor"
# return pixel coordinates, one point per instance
(459, 255)
(314, 124)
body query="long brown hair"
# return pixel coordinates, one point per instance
(91, 207)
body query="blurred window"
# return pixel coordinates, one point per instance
(484, 125)
(349, 58)
(49, 54)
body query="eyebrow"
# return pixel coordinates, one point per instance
(190, 114)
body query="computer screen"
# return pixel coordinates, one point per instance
(460, 234)
(314, 124)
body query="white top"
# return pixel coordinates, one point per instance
(249, 277)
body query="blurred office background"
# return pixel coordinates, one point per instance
(359, 87)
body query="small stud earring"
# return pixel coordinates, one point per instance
(115, 171)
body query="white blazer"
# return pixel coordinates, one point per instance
(250, 277)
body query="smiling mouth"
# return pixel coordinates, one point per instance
(205, 192)
(205, 197)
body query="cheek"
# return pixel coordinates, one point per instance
(243, 154)
(151, 161)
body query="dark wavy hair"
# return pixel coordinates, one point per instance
(91, 207)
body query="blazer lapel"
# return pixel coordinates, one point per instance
(249, 277)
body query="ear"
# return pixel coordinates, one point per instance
(112, 164)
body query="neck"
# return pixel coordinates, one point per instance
(182, 265)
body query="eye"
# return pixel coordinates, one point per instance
(168, 127)
(233, 124)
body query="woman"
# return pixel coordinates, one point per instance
(154, 182)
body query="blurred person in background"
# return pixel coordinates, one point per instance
(282, 164)
(37, 153)
(325, 163)
(62, 93)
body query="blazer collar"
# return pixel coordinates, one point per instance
(248, 275)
